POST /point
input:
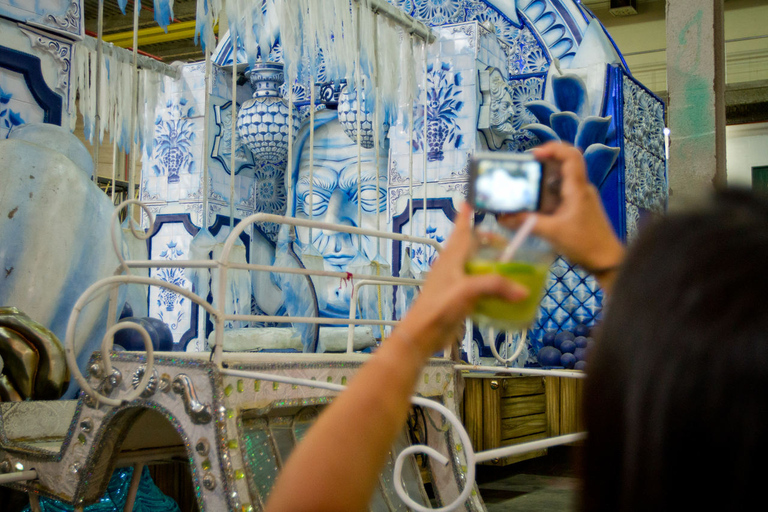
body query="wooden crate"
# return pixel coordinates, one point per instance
(507, 410)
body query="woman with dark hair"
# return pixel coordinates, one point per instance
(676, 402)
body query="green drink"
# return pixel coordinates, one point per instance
(504, 315)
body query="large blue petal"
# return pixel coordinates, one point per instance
(543, 110)
(593, 130)
(570, 94)
(566, 125)
(600, 159)
(544, 133)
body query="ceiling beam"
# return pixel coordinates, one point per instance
(123, 23)
(155, 35)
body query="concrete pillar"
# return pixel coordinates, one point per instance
(696, 85)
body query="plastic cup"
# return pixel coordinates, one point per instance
(528, 267)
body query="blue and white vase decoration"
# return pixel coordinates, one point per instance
(262, 121)
(443, 106)
(348, 112)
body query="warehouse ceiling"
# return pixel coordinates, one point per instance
(176, 44)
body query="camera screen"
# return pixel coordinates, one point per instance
(507, 185)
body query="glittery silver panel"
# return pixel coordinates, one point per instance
(86, 457)
(243, 408)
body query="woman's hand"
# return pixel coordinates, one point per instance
(579, 229)
(449, 294)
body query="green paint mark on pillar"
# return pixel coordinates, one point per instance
(696, 117)
(696, 20)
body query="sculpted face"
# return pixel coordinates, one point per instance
(334, 199)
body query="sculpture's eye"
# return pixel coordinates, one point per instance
(369, 195)
(319, 203)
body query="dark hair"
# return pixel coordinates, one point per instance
(676, 402)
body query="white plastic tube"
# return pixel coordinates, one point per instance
(233, 140)
(97, 117)
(134, 105)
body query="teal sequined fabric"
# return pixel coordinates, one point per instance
(148, 498)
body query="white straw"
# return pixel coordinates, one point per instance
(518, 239)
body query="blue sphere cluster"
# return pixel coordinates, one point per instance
(569, 349)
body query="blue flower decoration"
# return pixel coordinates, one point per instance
(568, 121)
(4, 97)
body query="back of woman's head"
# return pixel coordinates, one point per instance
(676, 402)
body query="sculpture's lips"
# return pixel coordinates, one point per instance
(339, 258)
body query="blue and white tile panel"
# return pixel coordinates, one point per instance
(646, 184)
(51, 57)
(171, 242)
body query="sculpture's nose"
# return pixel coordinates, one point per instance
(340, 210)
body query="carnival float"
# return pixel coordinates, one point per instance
(293, 189)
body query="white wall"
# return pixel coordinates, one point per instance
(746, 147)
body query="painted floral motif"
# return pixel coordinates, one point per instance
(424, 255)
(643, 118)
(525, 90)
(8, 117)
(168, 299)
(269, 191)
(173, 142)
(269, 195)
(645, 176)
(527, 56)
(633, 219)
(443, 106)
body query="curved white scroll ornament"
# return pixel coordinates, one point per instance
(115, 228)
(106, 344)
(518, 349)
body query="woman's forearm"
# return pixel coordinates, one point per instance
(336, 466)
(353, 436)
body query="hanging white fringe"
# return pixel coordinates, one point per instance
(206, 16)
(163, 13)
(115, 92)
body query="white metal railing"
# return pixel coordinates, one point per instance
(222, 264)
(353, 305)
